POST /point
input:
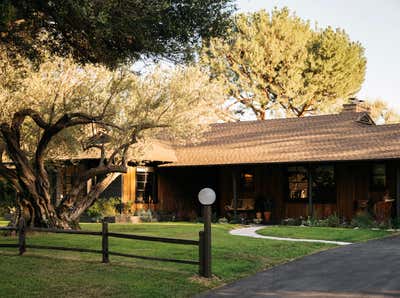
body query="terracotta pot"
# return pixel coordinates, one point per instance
(258, 215)
(267, 216)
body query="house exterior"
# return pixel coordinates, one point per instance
(318, 165)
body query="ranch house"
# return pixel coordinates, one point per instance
(318, 165)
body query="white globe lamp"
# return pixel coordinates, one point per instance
(207, 196)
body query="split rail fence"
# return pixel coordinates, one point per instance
(105, 234)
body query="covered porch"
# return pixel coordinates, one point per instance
(286, 190)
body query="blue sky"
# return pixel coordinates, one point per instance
(376, 24)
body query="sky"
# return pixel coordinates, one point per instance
(374, 23)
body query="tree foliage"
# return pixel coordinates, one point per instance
(63, 110)
(277, 61)
(112, 31)
(381, 113)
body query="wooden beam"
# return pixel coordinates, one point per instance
(310, 200)
(235, 195)
(398, 191)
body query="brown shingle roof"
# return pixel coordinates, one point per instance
(337, 137)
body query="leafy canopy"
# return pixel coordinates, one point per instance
(278, 62)
(112, 31)
(381, 112)
(125, 106)
(61, 110)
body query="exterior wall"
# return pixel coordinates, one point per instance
(178, 188)
(129, 186)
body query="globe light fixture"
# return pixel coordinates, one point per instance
(207, 196)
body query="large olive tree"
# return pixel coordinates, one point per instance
(63, 109)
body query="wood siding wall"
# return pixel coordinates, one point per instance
(178, 188)
(129, 186)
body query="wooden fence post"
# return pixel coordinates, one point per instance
(104, 234)
(201, 253)
(21, 236)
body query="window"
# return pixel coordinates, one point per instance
(145, 185)
(324, 187)
(323, 184)
(245, 191)
(298, 183)
(378, 176)
(246, 183)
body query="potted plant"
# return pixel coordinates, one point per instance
(268, 205)
(259, 207)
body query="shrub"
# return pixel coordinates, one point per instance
(8, 199)
(396, 223)
(331, 221)
(223, 220)
(104, 208)
(363, 221)
(309, 222)
(292, 221)
(147, 215)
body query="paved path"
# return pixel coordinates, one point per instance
(251, 232)
(369, 269)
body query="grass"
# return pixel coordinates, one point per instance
(322, 233)
(69, 274)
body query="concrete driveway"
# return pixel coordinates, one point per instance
(370, 269)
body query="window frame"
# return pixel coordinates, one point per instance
(373, 186)
(315, 198)
(332, 191)
(288, 190)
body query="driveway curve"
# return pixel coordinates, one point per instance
(368, 269)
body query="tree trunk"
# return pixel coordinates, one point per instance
(91, 197)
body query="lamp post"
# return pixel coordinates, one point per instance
(207, 198)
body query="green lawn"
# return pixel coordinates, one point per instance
(320, 233)
(41, 273)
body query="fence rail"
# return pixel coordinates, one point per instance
(105, 234)
(155, 239)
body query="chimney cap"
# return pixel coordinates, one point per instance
(355, 100)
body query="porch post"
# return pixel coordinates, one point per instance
(310, 201)
(398, 191)
(234, 190)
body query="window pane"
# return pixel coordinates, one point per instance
(324, 187)
(378, 176)
(246, 182)
(298, 183)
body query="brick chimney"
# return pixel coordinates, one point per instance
(354, 106)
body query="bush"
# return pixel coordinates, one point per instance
(363, 221)
(292, 221)
(146, 215)
(104, 208)
(396, 223)
(8, 199)
(332, 221)
(223, 220)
